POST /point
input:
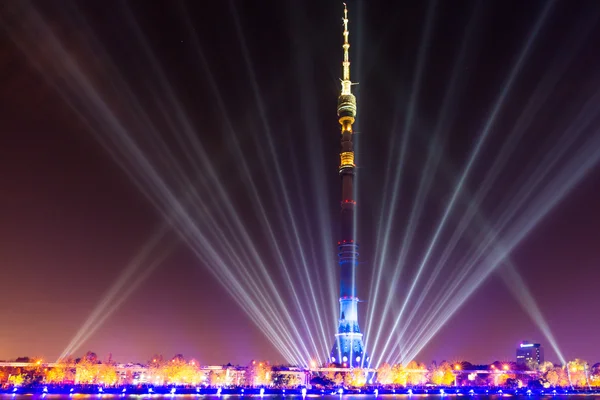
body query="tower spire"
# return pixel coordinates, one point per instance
(346, 83)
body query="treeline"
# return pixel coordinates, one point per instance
(179, 371)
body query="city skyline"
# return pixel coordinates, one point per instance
(75, 216)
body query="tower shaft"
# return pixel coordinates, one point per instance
(348, 349)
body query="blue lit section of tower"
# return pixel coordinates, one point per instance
(348, 349)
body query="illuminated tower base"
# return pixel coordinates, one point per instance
(348, 348)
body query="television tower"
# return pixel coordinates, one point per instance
(348, 349)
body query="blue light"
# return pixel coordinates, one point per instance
(529, 392)
(471, 392)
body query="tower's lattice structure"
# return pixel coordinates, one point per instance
(348, 349)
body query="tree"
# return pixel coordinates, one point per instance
(356, 378)
(552, 377)
(107, 374)
(384, 374)
(533, 365)
(157, 371)
(86, 370)
(16, 380)
(416, 373)
(62, 372)
(557, 376)
(399, 375)
(321, 381)
(546, 366)
(578, 370)
(286, 380)
(180, 372)
(442, 375)
(258, 374)
(91, 357)
(338, 379)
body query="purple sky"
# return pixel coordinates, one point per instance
(71, 218)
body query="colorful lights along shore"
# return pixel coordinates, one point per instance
(348, 348)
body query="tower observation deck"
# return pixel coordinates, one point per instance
(348, 348)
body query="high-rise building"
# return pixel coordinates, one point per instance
(348, 348)
(530, 352)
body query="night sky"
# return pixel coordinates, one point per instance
(73, 215)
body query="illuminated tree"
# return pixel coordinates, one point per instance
(16, 380)
(330, 375)
(416, 373)
(157, 370)
(91, 357)
(180, 372)
(399, 375)
(546, 366)
(338, 379)
(56, 375)
(356, 378)
(107, 374)
(557, 376)
(384, 374)
(578, 372)
(505, 379)
(62, 372)
(284, 380)
(442, 375)
(86, 370)
(552, 377)
(258, 374)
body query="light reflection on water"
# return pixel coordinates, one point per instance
(294, 396)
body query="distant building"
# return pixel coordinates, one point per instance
(530, 352)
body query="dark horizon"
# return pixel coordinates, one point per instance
(72, 218)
